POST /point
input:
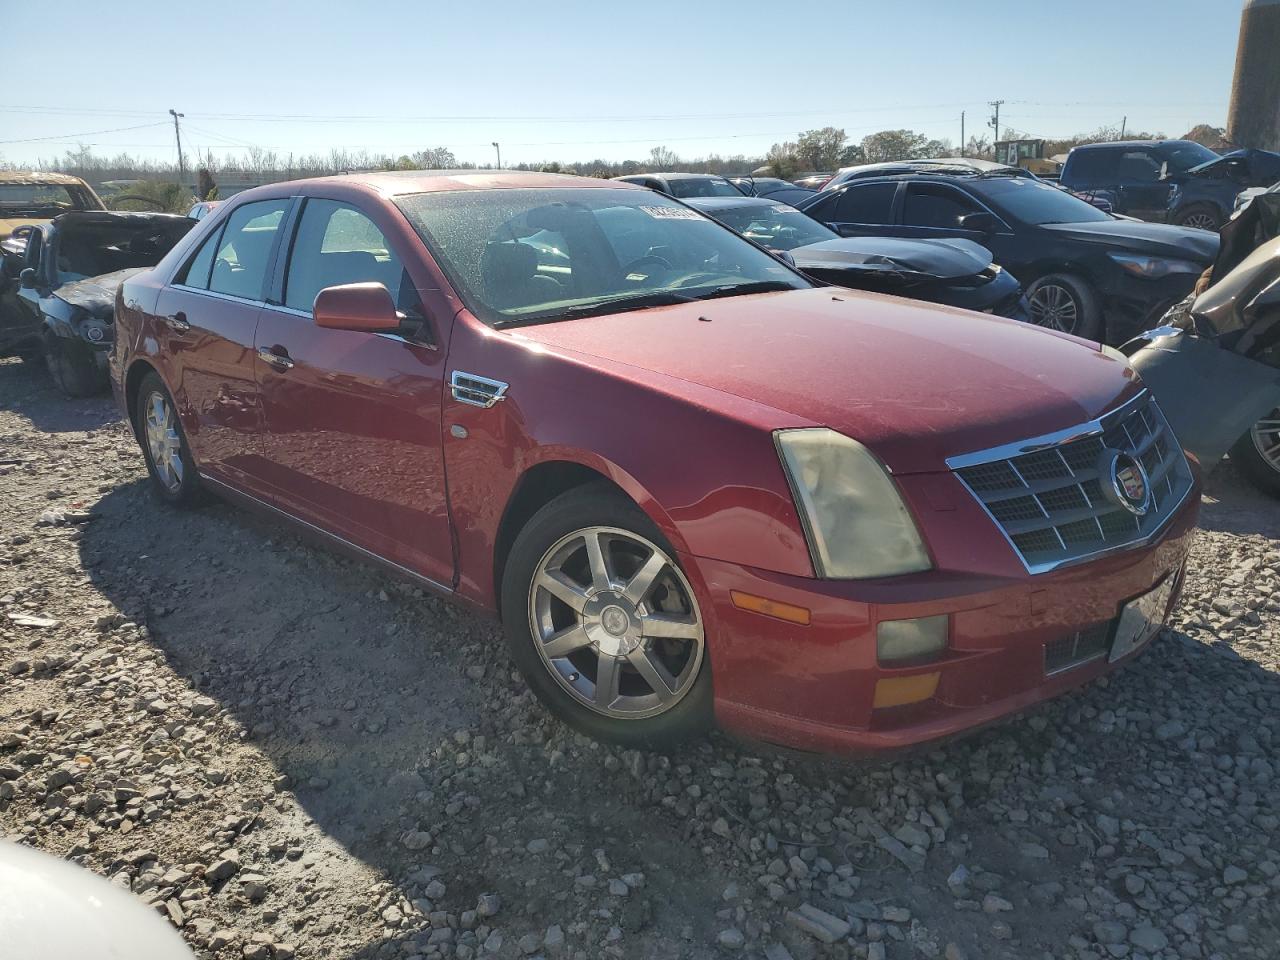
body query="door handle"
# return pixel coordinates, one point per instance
(278, 361)
(177, 322)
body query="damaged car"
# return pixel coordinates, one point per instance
(1206, 195)
(61, 282)
(955, 272)
(28, 198)
(1215, 361)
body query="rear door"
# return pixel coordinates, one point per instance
(861, 209)
(206, 318)
(354, 418)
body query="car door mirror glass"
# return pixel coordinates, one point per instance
(363, 307)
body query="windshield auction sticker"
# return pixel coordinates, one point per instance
(672, 213)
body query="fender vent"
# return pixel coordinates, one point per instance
(475, 390)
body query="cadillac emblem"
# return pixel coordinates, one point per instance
(1129, 485)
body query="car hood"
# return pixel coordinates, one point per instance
(1134, 236)
(942, 259)
(916, 383)
(1262, 167)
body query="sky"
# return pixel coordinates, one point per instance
(577, 81)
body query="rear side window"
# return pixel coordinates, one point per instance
(1092, 166)
(338, 244)
(240, 265)
(935, 205)
(867, 203)
(196, 273)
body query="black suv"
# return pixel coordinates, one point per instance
(1085, 272)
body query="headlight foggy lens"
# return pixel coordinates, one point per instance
(1153, 268)
(858, 526)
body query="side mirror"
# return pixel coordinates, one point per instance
(363, 307)
(27, 278)
(1164, 170)
(979, 222)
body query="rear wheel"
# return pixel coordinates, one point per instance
(604, 625)
(72, 367)
(164, 445)
(1257, 454)
(1064, 302)
(1202, 216)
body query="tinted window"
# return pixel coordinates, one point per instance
(197, 272)
(1187, 154)
(338, 244)
(535, 254)
(1034, 201)
(1091, 166)
(936, 205)
(868, 203)
(776, 226)
(1137, 166)
(240, 266)
(700, 187)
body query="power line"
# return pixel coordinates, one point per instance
(70, 137)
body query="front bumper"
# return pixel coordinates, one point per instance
(1131, 304)
(813, 687)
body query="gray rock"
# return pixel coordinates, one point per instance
(1148, 938)
(487, 905)
(818, 923)
(1233, 875)
(731, 939)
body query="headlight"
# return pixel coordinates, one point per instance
(856, 522)
(1153, 268)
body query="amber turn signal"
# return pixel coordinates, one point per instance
(899, 691)
(770, 608)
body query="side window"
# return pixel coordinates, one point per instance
(1091, 166)
(935, 205)
(338, 244)
(240, 265)
(867, 203)
(196, 273)
(1138, 166)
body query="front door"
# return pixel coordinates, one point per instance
(208, 316)
(1140, 192)
(354, 418)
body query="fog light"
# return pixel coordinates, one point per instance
(916, 639)
(899, 691)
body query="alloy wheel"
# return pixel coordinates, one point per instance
(163, 441)
(1055, 307)
(616, 623)
(1266, 439)
(1201, 221)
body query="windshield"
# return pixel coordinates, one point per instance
(1181, 157)
(538, 255)
(51, 198)
(702, 187)
(1036, 202)
(776, 226)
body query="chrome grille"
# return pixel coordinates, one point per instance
(1048, 499)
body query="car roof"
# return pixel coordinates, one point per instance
(36, 178)
(677, 176)
(1128, 143)
(940, 165)
(391, 183)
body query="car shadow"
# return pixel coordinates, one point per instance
(1231, 504)
(30, 393)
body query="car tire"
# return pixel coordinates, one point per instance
(1248, 456)
(164, 444)
(561, 646)
(72, 368)
(1201, 216)
(1065, 302)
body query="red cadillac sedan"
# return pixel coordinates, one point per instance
(694, 486)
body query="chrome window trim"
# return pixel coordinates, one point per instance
(1091, 428)
(217, 295)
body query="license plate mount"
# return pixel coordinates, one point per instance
(1141, 619)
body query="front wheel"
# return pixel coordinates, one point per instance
(164, 444)
(603, 623)
(1061, 301)
(1201, 216)
(1257, 454)
(72, 367)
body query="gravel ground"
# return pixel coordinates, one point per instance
(287, 754)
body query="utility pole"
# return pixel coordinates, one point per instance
(499, 149)
(995, 118)
(182, 170)
(962, 143)
(1124, 122)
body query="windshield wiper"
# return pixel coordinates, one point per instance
(662, 298)
(743, 289)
